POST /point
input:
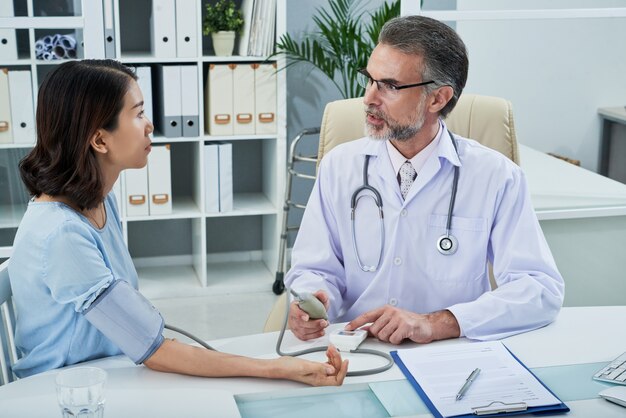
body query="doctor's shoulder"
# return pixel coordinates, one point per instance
(475, 154)
(345, 153)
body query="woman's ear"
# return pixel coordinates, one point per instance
(440, 98)
(98, 141)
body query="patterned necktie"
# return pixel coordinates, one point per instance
(407, 176)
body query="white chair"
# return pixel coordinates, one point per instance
(8, 351)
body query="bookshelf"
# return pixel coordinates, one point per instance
(204, 252)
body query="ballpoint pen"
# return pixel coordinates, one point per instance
(468, 382)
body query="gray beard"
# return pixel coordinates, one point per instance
(394, 130)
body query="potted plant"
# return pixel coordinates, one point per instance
(222, 20)
(343, 42)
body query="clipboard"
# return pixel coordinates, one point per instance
(494, 408)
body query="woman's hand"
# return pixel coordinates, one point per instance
(313, 373)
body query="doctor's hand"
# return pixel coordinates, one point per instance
(313, 373)
(394, 325)
(304, 327)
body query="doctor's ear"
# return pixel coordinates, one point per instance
(98, 141)
(440, 98)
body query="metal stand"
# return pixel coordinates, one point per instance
(279, 285)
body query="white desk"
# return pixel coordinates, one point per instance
(579, 336)
(583, 216)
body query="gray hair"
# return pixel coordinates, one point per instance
(443, 51)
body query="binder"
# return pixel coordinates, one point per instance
(265, 99)
(144, 80)
(244, 38)
(243, 99)
(109, 29)
(494, 408)
(219, 99)
(225, 154)
(168, 111)
(186, 32)
(136, 181)
(6, 124)
(8, 38)
(211, 178)
(93, 31)
(22, 109)
(163, 28)
(160, 180)
(189, 98)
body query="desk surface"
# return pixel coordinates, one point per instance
(578, 337)
(560, 190)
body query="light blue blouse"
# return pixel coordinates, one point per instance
(60, 264)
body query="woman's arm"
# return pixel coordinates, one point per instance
(175, 357)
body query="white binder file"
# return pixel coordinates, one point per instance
(265, 99)
(22, 110)
(137, 192)
(244, 38)
(219, 109)
(8, 39)
(211, 178)
(6, 128)
(160, 180)
(163, 33)
(186, 28)
(243, 99)
(189, 98)
(226, 177)
(169, 101)
(93, 31)
(144, 80)
(109, 29)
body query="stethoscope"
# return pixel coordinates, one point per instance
(447, 244)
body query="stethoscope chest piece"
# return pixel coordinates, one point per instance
(447, 244)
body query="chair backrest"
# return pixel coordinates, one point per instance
(488, 120)
(8, 351)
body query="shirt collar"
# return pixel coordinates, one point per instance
(418, 161)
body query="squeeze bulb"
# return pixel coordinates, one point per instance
(310, 304)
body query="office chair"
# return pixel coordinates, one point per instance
(488, 120)
(8, 351)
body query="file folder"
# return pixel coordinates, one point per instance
(160, 180)
(22, 109)
(93, 31)
(225, 151)
(211, 178)
(265, 99)
(144, 80)
(244, 38)
(6, 124)
(189, 98)
(136, 181)
(168, 111)
(186, 28)
(8, 38)
(219, 99)
(510, 405)
(163, 32)
(243, 99)
(109, 29)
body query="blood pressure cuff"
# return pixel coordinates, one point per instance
(128, 319)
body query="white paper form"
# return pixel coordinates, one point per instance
(442, 370)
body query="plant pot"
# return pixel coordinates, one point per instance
(223, 43)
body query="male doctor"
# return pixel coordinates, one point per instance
(406, 279)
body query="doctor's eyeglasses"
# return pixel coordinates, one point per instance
(388, 89)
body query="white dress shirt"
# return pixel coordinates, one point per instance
(493, 221)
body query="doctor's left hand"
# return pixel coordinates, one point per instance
(394, 325)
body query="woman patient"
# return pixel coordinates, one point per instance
(69, 254)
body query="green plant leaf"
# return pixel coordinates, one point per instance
(342, 43)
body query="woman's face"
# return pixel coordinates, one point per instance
(129, 144)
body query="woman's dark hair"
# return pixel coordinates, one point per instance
(74, 101)
(443, 51)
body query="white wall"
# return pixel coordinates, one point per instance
(557, 73)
